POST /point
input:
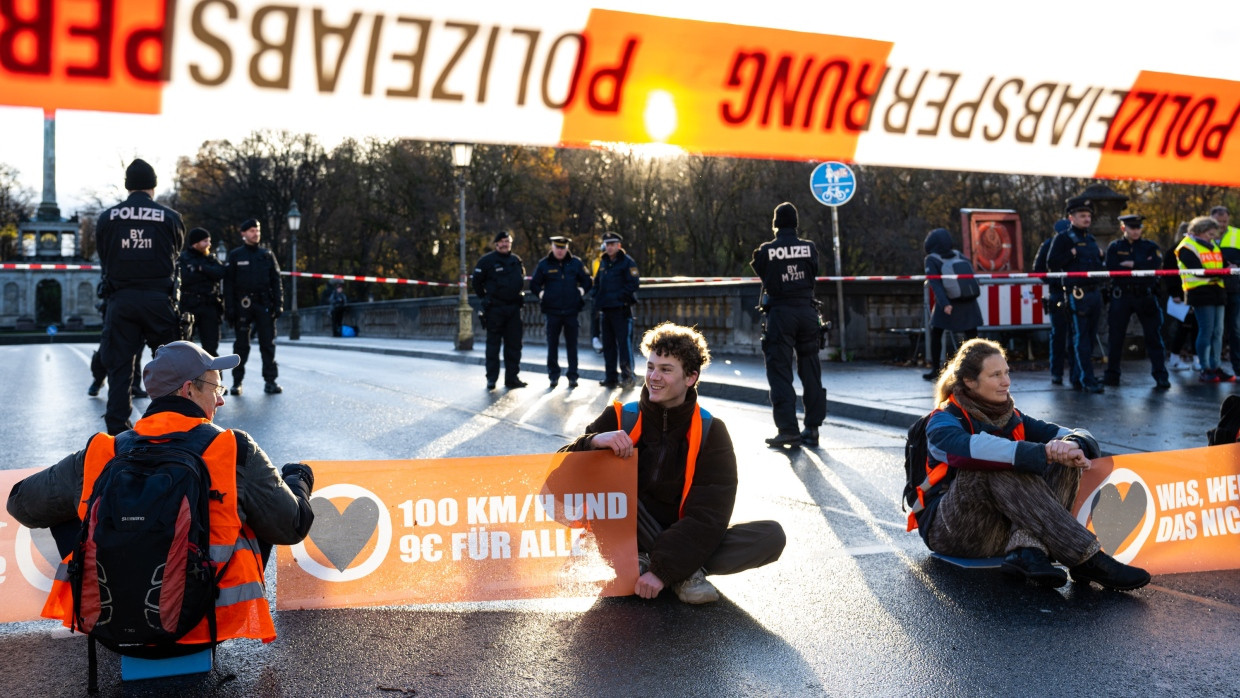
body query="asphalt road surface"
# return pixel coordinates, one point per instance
(854, 607)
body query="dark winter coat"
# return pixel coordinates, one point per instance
(499, 279)
(616, 283)
(560, 283)
(966, 314)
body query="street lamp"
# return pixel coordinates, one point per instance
(462, 153)
(294, 223)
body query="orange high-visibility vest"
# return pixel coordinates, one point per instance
(241, 609)
(629, 418)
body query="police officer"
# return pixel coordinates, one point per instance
(138, 241)
(201, 302)
(1054, 306)
(1076, 250)
(253, 299)
(560, 281)
(788, 266)
(498, 280)
(615, 293)
(1134, 295)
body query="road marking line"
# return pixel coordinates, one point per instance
(1205, 601)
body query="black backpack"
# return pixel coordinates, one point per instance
(916, 454)
(141, 571)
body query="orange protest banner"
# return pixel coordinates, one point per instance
(28, 560)
(465, 529)
(1169, 511)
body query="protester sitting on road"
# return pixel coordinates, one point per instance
(686, 475)
(955, 303)
(999, 482)
(271, 507)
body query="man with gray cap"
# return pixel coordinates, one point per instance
(1131, 294)
(201, 302)
(788, 267)
(560, 281)
(499, 280)
(138, 242)
(273, 506)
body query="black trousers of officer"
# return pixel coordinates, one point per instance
(100, 374)
(793, 329)
(617, 337)
(568, 324)
(1150, 315)
(1084, 314)
(1056, 309)
(205, 320)
(503, 323)
(134, 316)
(255, 318)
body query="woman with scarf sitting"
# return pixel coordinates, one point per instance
(1000, 482)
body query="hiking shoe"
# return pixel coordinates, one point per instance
(1110, 573)
(643, 563)
(93, 390)
(784, 439)
(809, 436)
(696, 589)
(271, 388)
(1033, 565)
(1223, 376)
(236, 389)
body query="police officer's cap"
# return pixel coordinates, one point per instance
(559, 240)
(501, 235)
(1062, 225)
(248, 223)
(1132, 220)
(1078, 203)
(612, 237)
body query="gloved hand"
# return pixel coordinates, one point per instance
(295, 474)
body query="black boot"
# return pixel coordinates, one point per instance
(1110, 573)
(1035, 566)
(809, 437)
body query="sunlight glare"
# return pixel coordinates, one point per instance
(660, 115)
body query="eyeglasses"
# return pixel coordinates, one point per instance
(219, 390)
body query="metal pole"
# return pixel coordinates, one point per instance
(465, 314)
(839, 285)
(295, 330)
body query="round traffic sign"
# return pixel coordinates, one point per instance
(833, 183)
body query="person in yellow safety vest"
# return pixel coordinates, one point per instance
(1229, 244)
(259, 505)
(1205, 294)
(686, 475)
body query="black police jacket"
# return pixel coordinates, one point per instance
(1039, 265)
(252, 271)
(787, 266)
(616, 282)
(1144, 254)
(138, 242)
(499, 279)
(1087, 258)
(200, 279)
(560, 283)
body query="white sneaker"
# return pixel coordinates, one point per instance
(696, 589)
(597, 344)
(1177, 364)
(1196, 364)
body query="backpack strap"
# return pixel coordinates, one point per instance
(629, 418)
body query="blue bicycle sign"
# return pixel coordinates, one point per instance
(833, 183)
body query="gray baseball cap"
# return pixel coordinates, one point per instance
(177, 362)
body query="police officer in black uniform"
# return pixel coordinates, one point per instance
(561, 281)
(1054, 305)
(788, 267)
(138, 242)
(615, 293)
(498, 281)
(1076, 250)
(253, 299)
(201, 302)
(1134, 295)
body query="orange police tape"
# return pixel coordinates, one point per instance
(1168, 511)
(28, 560)
(465, 529)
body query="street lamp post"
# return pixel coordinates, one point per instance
(462, 153)
(294, 223)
